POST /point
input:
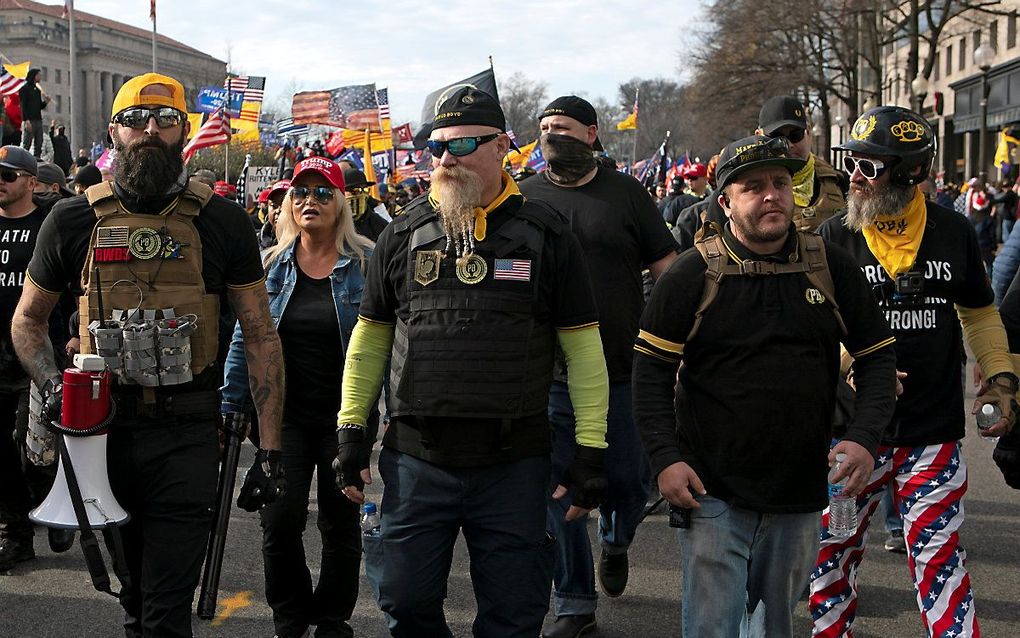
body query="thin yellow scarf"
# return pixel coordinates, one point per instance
(804, 183)
(895, 239)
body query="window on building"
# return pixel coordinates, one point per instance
(56, 76)
(949, 60)
(896, 87)
(935, 66)
(1011, 30)
(963, 54)
(993, 34)
(976, 39)
(57, 99)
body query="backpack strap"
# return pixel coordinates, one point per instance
(812, 252)
(101, 199)
(713, 251)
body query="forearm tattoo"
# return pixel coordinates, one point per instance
(30, 336)
(264, 354)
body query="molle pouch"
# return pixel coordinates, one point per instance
(109, 339)
(173, 342)
(140, 366)
(39, 441)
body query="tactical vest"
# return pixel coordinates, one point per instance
(811, 261)
(473, 344)
(828, 199)
(145, 308)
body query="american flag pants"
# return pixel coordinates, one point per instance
(930, 482)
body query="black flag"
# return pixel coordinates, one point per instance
(484, 81)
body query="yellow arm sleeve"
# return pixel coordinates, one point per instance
(587, 383)
(367, 354)
(983, 330)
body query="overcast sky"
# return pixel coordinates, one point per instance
(416, 46)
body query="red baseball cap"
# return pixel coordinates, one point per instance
(695, 170)
(325, 167)
(263, 196)
(272, 189)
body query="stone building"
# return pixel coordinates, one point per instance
(109, 54)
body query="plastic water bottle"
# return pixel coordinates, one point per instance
(842, 509)
(988, 416)
(370, 525)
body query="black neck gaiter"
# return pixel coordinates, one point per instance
(569, 158)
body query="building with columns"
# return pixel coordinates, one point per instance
(108, 54)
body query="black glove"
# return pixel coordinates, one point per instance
(353, 453)
(264, 482)
(52, 395)
(1007, 456)
(1001, 392)
(586, 477)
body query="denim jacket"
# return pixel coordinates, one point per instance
(348, 284)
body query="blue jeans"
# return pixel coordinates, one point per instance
(500, 510)
(743, 571)
(890, 512)
(628, 475)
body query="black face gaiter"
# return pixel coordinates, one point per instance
(569, 158)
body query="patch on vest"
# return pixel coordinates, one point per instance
(145, 243)
(426, 266)
(111, 245)
(512, 270)
(471, 270)
(814, 296)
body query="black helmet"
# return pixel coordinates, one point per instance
(896, 131)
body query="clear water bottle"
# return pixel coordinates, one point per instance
(988, 416)
(370, 525)
(842, 509)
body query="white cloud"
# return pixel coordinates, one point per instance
(416, 46)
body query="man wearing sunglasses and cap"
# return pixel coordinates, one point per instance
(154, 249)
(738, 436)
(925, 268)
(622, 233)
(471, 289)
(817, 193)
(370, 215)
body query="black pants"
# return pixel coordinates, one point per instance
(163, 472)
(289, 592)
(22, 484)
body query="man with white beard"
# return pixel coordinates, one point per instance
(471, 289)
(925, 268)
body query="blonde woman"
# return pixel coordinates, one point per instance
(315, 279)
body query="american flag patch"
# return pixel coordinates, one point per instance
(513, 269)
(112, 237)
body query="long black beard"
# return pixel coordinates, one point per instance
(149, 168)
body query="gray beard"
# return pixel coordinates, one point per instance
(864, 209)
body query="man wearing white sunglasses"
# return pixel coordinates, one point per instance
(925, 268)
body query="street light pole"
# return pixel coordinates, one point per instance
(919, 85)
(983, 59)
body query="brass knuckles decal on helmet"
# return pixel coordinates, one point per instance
(908, 131)
(863, 128)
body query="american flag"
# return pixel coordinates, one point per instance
(9, 85)
(214, 132)
(382, 97)
(286, 126)
(513, 270)
(355, 107)
(252, 87)
(68, 7)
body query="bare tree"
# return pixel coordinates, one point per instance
(522, 101)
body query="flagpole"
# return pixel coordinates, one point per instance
(73, 80)
(633, 149)
(153, 7)
(226, 151)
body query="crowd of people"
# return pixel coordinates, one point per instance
(497, 336)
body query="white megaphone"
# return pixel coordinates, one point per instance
(83, 418)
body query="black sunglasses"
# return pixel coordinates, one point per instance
(11, 176)
(138, 118)
(794, 135)
(869, 168)
(460, 146)
(322, 194)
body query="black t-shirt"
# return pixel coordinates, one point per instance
(313, 354)
(758, 378)
(928, 333)
(230, 255)
(565, 301)
(621, 232)
(17, 240)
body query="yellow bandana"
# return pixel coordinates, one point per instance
(509, 189)
(804, 183)
(895, 239)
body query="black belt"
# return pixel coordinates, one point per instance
(180, 404)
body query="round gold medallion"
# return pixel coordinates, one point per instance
(144, 243)
(471, 269)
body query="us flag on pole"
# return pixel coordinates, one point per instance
(214, 132)
(252, 88)
(513, 270)
(9, 85)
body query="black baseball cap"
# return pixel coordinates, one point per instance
(470, 106)
(50, 173)
(577, 108)
(754, 152)
(781, 111)
(19, 159)
(88, 175)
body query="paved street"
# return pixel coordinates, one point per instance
(52, 596)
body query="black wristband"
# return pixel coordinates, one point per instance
(1008, 377)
